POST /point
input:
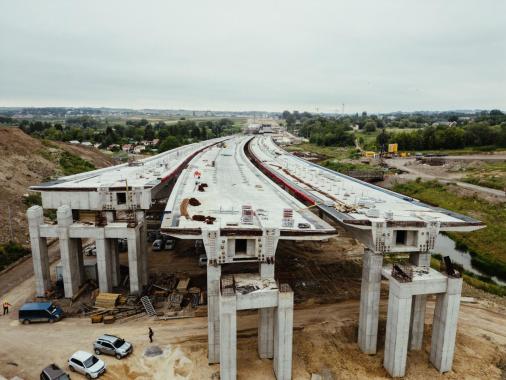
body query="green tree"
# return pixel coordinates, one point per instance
(149, 133)
(370, 126)
(382, 139)
(169, 143)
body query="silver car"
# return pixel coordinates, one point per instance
(112, 345)
(87, 364)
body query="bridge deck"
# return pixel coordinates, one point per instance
(223, 181)
(347, 199)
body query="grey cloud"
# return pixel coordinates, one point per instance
(371, 55)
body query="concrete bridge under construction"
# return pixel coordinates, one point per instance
(240, 195)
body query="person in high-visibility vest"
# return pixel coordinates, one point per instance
(6, 307)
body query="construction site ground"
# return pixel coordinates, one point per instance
(326, 279)
(454, 170)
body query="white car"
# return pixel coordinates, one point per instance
(87, 364)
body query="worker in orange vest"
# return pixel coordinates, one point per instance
(6, 307)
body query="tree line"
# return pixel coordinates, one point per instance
(170, 135)
(445, 137)
(417, 131)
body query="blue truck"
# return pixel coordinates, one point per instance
(39, 312)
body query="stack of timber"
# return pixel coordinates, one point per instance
(110, 307)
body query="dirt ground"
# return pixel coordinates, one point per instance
(26, 161)
(325, 328)
(451, 172)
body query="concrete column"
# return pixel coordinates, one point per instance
(266, 333)
(369, 301)
(109, 216)
(420, 259)
(397, 332)
(228, 336)
(418, 306)
(134, 265)
(40, 256)
(444, 326)
(266, 270)
(143, 254)
(68, 252)
(116, 273)
(104, 262)
(80, 259)
(283, 334)
(213, 312)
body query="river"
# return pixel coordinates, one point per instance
(446, 247)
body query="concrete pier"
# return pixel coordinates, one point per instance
(403, 290)
(116, 274)
(397, 331)
(266, 333)
(134, 260)
(444, 326)
(369, 301)
(213, 312)
(143, 257)
(283, 334)
(69, 253)
(39, 251)
(418, 305)
(104, 262)
(228, 335)
(266, 270)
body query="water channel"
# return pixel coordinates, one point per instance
(446, 247)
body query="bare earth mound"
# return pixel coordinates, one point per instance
(26, 161)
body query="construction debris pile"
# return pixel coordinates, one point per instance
(110, 307)
(172, 297)
(168, 296)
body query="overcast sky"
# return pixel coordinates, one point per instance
(374, 55)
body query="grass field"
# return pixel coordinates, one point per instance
(328, 151)
(463, 151)
(488, 245)
(490, 174)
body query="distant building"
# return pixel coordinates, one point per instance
(253, 129)
(113, 147)
(265, 128)
(139, 149)
(444, 123)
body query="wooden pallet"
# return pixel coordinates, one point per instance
(107, 300)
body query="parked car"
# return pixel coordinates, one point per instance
(39, 312)
(122, 245)
(170, 244)
(151, 236)
(87, 364)
(157, 245)
(53, 372)
(112, 345)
